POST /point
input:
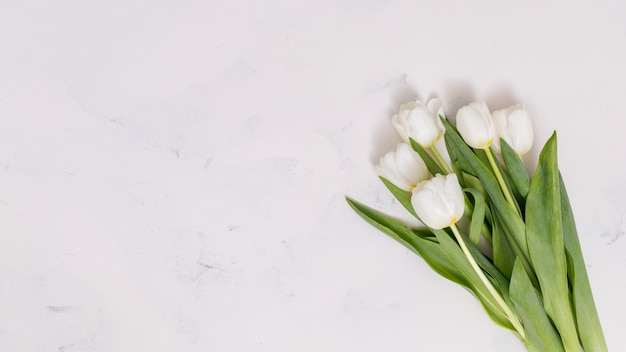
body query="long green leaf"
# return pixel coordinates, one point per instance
(429, 250)
(401, 195)
(499, 281)
(587, 319)
(431, 164)
(478, 217)
(456, 256)
(503, 254)
(540, 334)
(472, 181)
(517, 170)
(544, 233)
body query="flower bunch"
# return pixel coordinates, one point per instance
(529, 273)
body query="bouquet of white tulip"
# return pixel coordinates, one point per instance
(528, 273)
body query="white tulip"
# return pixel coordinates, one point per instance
(439, 202)
(514, 126)
(420, 121)
(403, 167)
(476, 125)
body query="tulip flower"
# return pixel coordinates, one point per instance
(403, 167)
(514, 126)
(476, 125)
(420, 121)
(439, 202)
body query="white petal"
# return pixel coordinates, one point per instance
(435, 108)
(454, 195)
(387, 168)
(432, 204)
(431, 208)
(521, 131)
(399, 125)
(410, 164)
(423, 128)
(476, 125)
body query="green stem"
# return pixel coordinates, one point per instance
(494, 293)
(503, 185)
(440, 161)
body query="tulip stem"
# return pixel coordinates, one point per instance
(442, 163)
(503, 185)
(494, 293)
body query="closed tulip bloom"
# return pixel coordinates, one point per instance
(420, 121)
(476, 125)
(403, 167)
(439, 202)
(513, 124)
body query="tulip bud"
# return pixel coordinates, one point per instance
(420, 122)
(476, 125)
(403, 167)
(514, 126)
(439, 202)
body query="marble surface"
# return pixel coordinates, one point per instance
(172, 173)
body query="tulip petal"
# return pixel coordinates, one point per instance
(430, 208)
(387, 169)
(436, 201)
(454, 196)
(410, 165)
(399, 127)
(520, 131)
(476, 125)
(435, 108)
(402, 167)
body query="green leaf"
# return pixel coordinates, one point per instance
(517, 170)
(506, 263)
(431, 164)
(503, 254)
(478, 217)
(544, 233)
(404, 197)
(498, 280)
(429, 250)
(587, 319)
(540, 334)
(472, 181)
(436, 255)
(456, 256)
(461, 153)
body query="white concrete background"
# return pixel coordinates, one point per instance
(172, 173)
